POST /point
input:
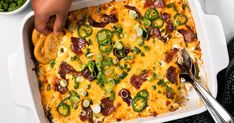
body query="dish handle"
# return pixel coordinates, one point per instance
(18, 80)
(218, 45)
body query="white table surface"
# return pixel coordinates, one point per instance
(9, 42)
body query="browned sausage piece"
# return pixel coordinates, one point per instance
(172, 74)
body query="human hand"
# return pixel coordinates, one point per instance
(45, 10)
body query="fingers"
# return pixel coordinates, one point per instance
(40, 23)
(59, 23)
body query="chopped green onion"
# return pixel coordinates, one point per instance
(63, 82)
(52, 63)
(96, 108)
(123, 75)
(146, 48)
(112, 95)
(109, 85)
(82, 92)
(133, 14)
(99, 57)
(119, 45)
(115, 60)
(86, 103)
(140, 41)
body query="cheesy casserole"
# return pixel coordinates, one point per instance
(116, 61)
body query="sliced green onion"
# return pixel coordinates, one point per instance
(119, 45)
(96, 108)
(79, 79)
(115, 60)
(52, 63)
(112, 95)
(99, 57)
(133, 14)
(86, 103)
(139, 32)
(123, 75)
(140, 41)
(109, 85)
(63, 82)
(82, 92)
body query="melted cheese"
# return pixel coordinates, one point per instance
(152, 61)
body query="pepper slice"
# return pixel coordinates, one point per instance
(146, 22)
(104, 37)
(180, 19)
(63, 109)
(84, 31)
(105, 49)
(143, 93)
(151, 14)
(139, 103)
(157, 23)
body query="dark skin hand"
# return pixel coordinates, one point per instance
(50, 15)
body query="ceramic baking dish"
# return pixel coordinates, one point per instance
(213, 44)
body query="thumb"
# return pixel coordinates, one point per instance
(40, 23)
(59, 23)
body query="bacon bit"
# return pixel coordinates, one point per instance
(134, 9)
(166, 16)
(88, 115)
(188, 34)
(106, 20)
(107, 106)
(170, 95)
(118, 119)
(56, 85)
(148, 3)
(170, 55)
(137, 80)
(155, 114)
(154, 32)
(126, 95)
(61, 89)
(168, 102)
(172, 74)
(65, 68)
(169, 27)
(77, 44)
(159, 3)
(87, 74)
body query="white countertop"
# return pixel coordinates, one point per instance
(9, 33)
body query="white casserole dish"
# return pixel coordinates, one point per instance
(213, 44)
